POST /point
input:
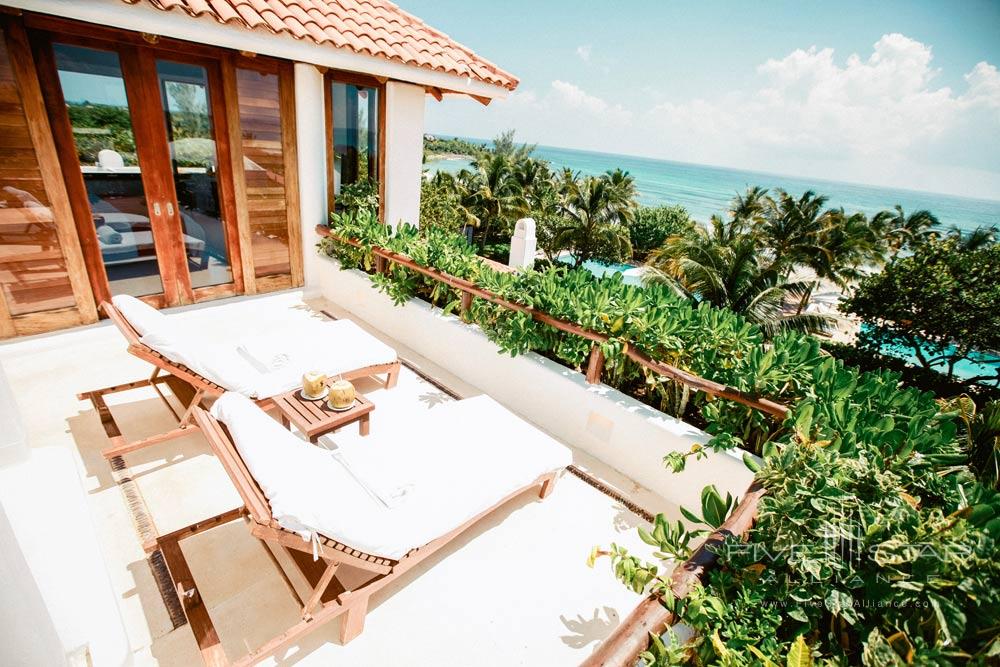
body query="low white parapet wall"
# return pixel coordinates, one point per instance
(617, 429)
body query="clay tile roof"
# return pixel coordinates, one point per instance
(370, 27)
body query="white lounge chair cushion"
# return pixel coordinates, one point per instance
(456, 463)
(327, 346)
(332, 347)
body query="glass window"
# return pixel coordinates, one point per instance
(195, 170)
(355, 138)
(99, 114)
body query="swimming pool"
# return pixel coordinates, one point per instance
(964, 369)
(631, 274)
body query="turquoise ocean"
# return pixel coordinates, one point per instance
(705, 190)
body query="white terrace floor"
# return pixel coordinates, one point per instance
(513, 590)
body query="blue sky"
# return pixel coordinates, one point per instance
(903, 94)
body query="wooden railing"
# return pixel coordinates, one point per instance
(595, 364)
(631, 637)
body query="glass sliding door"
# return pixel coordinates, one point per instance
(98, 107)
(194, 169)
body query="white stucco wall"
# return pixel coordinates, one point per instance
(310, 130)
(404, 149)
(605, 423)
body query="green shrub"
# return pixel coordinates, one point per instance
(653, 225)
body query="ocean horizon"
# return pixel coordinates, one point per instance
(707, 190)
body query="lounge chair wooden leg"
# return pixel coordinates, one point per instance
(189, 413)
(318, 591)
(547, 486)
(392, 377)
(353, 621)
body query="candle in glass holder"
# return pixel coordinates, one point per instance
(313, 383)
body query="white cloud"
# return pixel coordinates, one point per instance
(572, 96)
(866, 120)
(583, 52)
(881, 118)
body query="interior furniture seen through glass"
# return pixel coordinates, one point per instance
(355, 140)
(98, 108)
(195, 170)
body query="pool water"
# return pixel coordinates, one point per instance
(965, 369)
(600, 269)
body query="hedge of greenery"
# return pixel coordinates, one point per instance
(874, 544)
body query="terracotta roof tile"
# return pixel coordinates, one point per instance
(374, 27)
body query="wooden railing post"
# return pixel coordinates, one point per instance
(466, 305)
(595, 366)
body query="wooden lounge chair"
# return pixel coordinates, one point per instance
(324, 599)
(188, 386)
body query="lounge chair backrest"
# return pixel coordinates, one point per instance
(222, 444)
(131, 335)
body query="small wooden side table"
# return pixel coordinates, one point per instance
(315, 418)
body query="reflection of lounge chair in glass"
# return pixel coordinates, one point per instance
(127, 237)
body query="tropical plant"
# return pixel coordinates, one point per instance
(361, 196)
(490, 197)
(714, 266)
(902, 231)
(938, 305)
(439, 203)
(653, 225)
(872, 545)
(595, 211)
(981, 434)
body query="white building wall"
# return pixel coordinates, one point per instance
(310, 130)
(404, 149)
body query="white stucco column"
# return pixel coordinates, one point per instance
(404, 150)
(310, 121)
(523, 244)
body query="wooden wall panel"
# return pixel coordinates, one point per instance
(266, 180)
(43, 279)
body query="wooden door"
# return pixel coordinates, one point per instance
(144, 151)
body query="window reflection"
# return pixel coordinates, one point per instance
(99, 113)
(355, 139)
(33, 274)
(184, 91)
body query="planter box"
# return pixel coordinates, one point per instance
(617, 429)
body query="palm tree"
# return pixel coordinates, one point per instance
(844, 245)
(791, 228)
(729, 271)
(594, 212)
(747, 210)
(624, 191)
(489, 195)
(904, 231)
(977, 239)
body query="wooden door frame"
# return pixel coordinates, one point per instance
(353, 78)
(285, 72)
(141, 80)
